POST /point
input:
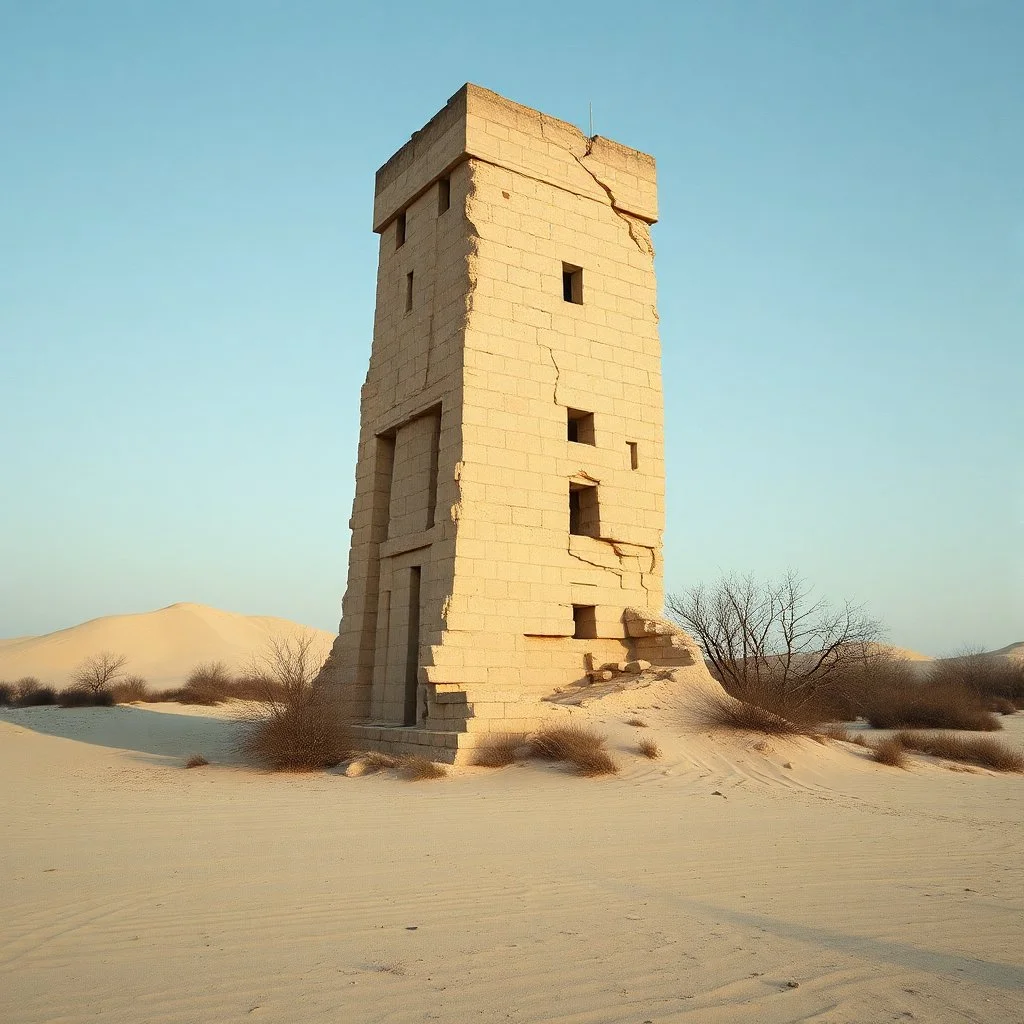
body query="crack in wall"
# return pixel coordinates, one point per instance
(558, 372)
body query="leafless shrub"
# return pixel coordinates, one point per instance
(773, 644)
(580, 747)
(196, 761)
(500, 750)
(6, 694)
(648, 748)
(30, 693)
(988, 753)
(79, 697)
(130, 690)
(890, 751)
(637, 723)
(929, 705)
(100, 671)
(716, 710)
(987, 675)
(294, 726)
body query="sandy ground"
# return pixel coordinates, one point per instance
(693, 888)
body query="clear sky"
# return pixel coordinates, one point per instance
(187, 284)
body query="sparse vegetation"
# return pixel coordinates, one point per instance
(30, 693)
(648, 748)
(196, 761)
(574, 745)
(637, 723)
(408, 766)
(294, 725)
(80, 697)
(131, 690)
(990, 676)
(711, 710)
(928, 705)
(979, 750)
(773, 644)
(100, 671)
(890, 751)
(6, 694)
(501, 750)
(834, 731)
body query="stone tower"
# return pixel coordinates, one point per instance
(509, 503)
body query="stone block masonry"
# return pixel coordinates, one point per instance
(509, 506)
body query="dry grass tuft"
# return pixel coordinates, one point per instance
(196, 761)
(417, 769)
(580, 747)
(837, 732)
(979, 750)
(638, 723)
(914, 704)
(710, 710)
(649, 749)
(1002, 706)
(501, 750)
(890, 751)
(860, 740)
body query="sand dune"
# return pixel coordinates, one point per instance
(162, 646)
(696, 887)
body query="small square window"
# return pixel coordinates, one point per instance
(584, 622)
(400, 230)
(408, 292)
(444, 195)
(580, 426)
(634, 457)
(572, 284)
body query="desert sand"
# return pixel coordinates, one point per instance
(721, 883)
(161, 646)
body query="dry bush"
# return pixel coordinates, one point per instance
(196, 761)
(79, 697)
(501, 750)
(376, 761)
(580, 747)
(929, 705)
(1002, 706)
(988, 675)
(890, 751)
(131, 690)
(29, 693)
(294, 725)
(988, 753)
(637, 723)
(837, 732)
(860, 740)
(100, 671)
(648, 748)
(6, 695)
(711, 710)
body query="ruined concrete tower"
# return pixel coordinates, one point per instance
(509, 504)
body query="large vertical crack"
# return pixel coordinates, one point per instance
(558, 372)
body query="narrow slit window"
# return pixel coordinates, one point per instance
(634, 458)
(572, 284)
(444, 195)
(584, 622)
(400, 230)
(580, 426)
(408, 292)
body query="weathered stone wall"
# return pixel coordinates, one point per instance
(526, 547)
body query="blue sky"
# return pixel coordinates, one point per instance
(187, 282)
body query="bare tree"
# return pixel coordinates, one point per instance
(774, 639)
(98, 672)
